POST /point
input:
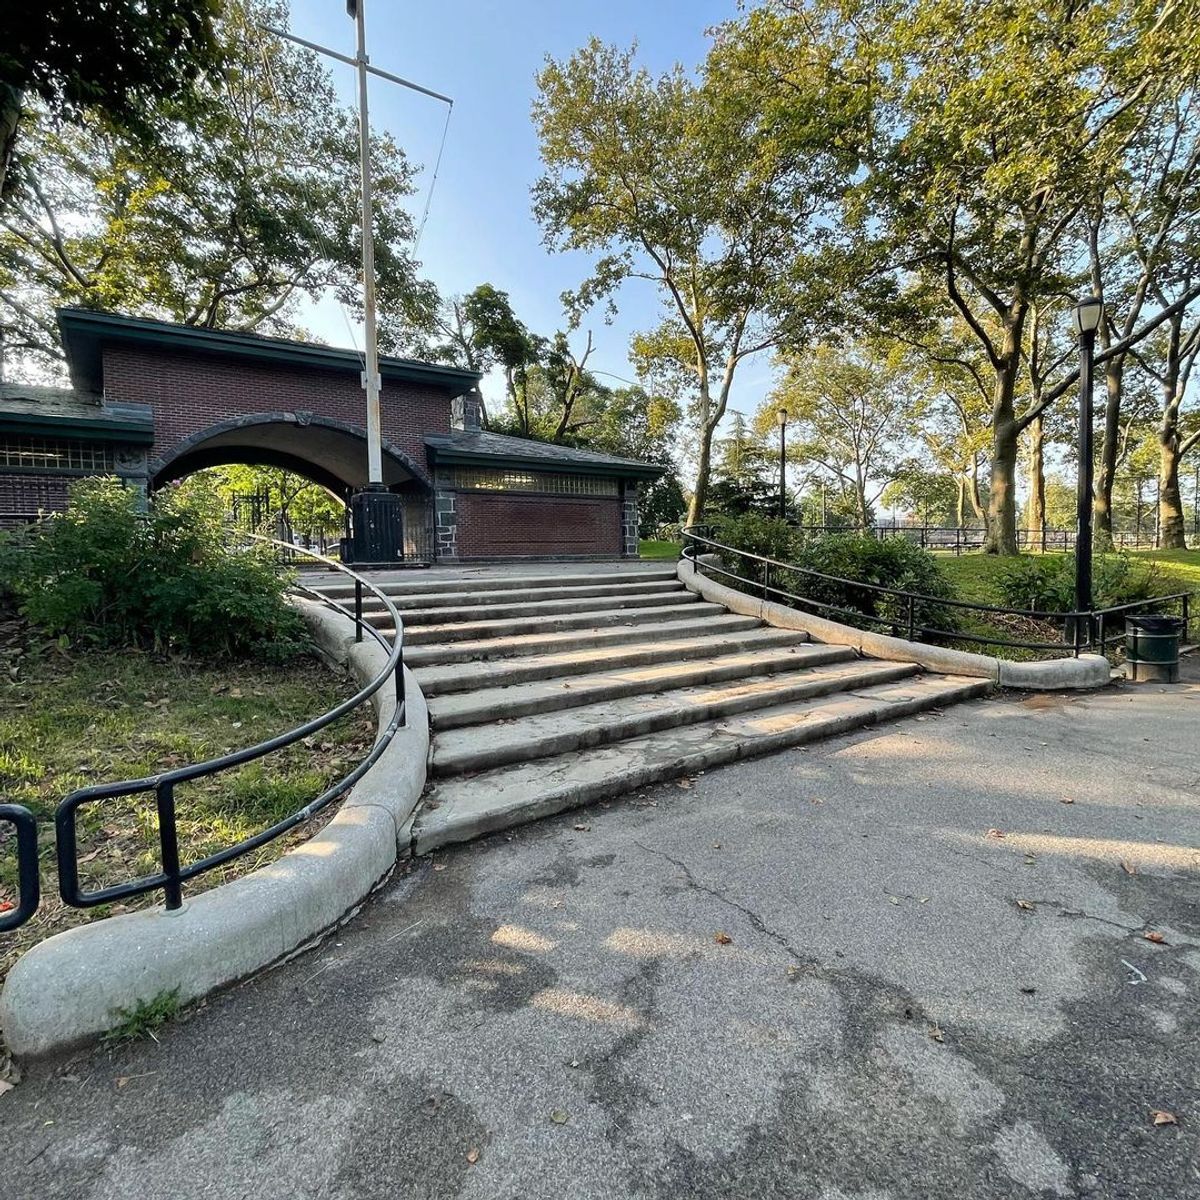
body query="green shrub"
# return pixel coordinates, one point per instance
(166, 579)
(883, 562)
(755, 534)
(1046, 583)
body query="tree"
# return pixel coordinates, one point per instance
(852, 413)
(992, 126)
(112, 60)
(683, 185)
(930, 496)
(246, 200)
(1143, 246)
(744, 475)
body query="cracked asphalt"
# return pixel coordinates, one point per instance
(907, 963)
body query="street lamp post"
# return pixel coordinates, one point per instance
(1086, 320)
(781, 415)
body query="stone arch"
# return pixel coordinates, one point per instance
(330, 452)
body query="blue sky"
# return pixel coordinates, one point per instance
(485, 53)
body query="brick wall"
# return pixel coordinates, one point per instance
(495, 525)
(190, 392)
(26, 492)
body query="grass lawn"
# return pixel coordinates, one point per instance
(974, 575)
(650, 548)
(73, 718)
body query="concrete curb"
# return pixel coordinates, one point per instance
(66, 989)
(1057, 674)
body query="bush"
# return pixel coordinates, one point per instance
(884, 562)
(1046, 583)
(755, 534)
(166, 579)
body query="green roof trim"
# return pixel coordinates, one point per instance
(100, 429)
(85, 333)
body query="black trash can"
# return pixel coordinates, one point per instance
(1152, 648)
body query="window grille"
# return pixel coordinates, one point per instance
(475, 480)
(54, 454)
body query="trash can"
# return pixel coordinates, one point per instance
(1152, 648)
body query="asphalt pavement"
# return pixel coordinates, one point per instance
(955, 957)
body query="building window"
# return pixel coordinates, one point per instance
(54, 454)
(473, 480)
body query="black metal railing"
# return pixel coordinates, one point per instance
(963, 539)
(172, 874)
(910, 613)
(28, 885)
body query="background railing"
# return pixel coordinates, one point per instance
(961, 539)
(919, 617)
(172, 874)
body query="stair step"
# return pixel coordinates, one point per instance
(463, 677)
(532, 607)
(573, 639)
(421, 635)
(452, 599)
(453, 580)
(459, 809)
(504, 703)
(484, 747)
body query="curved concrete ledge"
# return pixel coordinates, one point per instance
(1057, 674)
(67, 988)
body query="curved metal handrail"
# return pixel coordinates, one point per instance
(172, 875)
(1078, 620)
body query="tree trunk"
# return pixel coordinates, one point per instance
(1036, 517)
(10, 116)
(1170, 503)
(1002, 498)
(1170, 506)
(1114, 378)
(703, 468)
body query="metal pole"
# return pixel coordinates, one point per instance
(371, 377)
(1083, 506)
(782, 470)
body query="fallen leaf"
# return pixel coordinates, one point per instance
(1030, 861)
(581, 828)
(1160, 1116)
(722, 938)
(1152, 935)
(894, 899)
(472, 1156)
(1128, 868)
(716, 845)
(685, 782)
(936, 1033)
(439, 866)
(995, 833)
(1066, 800)
(1027, 905)
(559, 1117)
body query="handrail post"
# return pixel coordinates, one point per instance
(358, 620)
(912, 619)
(28, 881)
(168, 840)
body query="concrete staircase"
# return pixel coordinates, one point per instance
(554, 689)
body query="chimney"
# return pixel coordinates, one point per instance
(465, 411)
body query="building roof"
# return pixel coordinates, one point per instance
(32, 409)
(476, 448)
(85, 332)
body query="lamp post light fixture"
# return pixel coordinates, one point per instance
(781, 416)
(1086, 320)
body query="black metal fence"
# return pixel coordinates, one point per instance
(917, 616)
(172, 874)
(960, 539)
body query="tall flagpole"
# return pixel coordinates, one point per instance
(371, 375)
(376, 512)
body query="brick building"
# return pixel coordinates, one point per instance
(152, 402)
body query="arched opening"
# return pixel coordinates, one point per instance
(323, 452)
